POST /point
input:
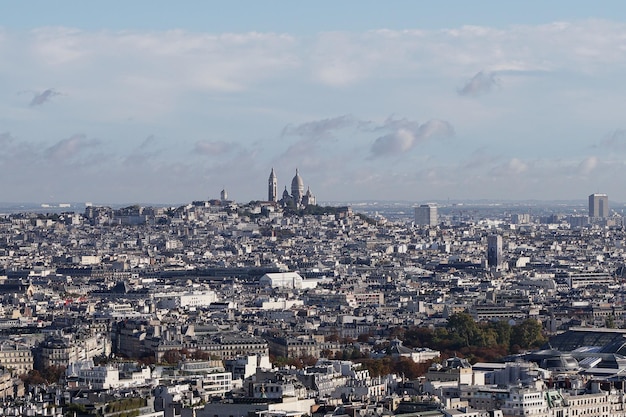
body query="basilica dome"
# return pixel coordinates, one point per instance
(297, 183)
(297, 188)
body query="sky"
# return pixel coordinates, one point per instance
(170, 102)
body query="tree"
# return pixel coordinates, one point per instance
(488, 336)
(33, 377)
(147, 360)
(364, 337)
(377, 367)
(326, 353)
(172, 356)
(503, 333)
(527, 334)
(334, 337)
(308, 360)
(465, 328)
(418, 337)
(200, 355)
(407, 367)
(53, 373)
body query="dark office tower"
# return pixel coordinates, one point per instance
(272, 187)
(598, 206)
(494, 251)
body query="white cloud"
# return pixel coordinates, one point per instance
(512, 167)
(406, 135)
(66, 149)
(588, 165)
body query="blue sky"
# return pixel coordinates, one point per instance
(155, 101)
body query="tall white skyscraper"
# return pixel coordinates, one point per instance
(426, 215)
(598, 206)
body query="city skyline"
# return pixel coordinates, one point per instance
(169, 103)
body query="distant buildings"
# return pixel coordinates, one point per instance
(520, 218)
(426, 215)
(598, 206)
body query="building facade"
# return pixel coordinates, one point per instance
(16, 357)
(598, 206)
(494, 251)
(426, 215)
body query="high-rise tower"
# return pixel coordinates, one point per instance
(272, 187)
(426, 215)
(494, 251)
(598, 206)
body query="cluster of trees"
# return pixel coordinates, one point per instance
(395, 365)
(311, 209)
(49, 375)
(462, 335)
(350, 353)
(298, 363)
(376, 367)
(484, 341)
(128, 407)
(478, 342)
(125, 405)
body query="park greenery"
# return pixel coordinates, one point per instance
(477, 341)
(462, 336)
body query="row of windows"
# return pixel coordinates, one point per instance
(12, 354)
(13, 361)
(589, 400)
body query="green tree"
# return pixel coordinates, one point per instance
(527, 334)
(419, 337)
(503, 333)
(463, 326)
(488, 336)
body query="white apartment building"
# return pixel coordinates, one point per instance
(186, 300)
